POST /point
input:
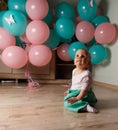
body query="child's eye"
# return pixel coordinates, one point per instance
(80, 56)
(77, 55)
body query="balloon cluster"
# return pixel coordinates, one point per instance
(27, 34)
(90, 28)
(23, 32)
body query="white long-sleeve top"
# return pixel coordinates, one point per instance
(81, 81)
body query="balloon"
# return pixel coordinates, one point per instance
(24, 38)
(49, 17)
(105, 33)
(91, 43)
(74, 47)
(20, 43)
(84, 31)
(6, 39)
(14, 57)
(1, 17)
(37, 32)
(98, 54)
(62, 52)
(77, 20)
(99, 20)
(53, 40)
(65, 28)
(40, 55)
(18, 5)
(66, 40)
(87, 9)
(14, 22)
(64, 9)
(37, 9)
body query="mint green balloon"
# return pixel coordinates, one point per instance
(15, 22)
(99, 20)
(65, 28)
(74, 47)
(98, 54)
(18, 5)
(49, 17)
(87, 9)
(53, 40)
(64, 9)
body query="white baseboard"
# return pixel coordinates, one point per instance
(101, 84)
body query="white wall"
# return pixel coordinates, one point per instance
(109, 73)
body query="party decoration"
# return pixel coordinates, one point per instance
(49, 17)
(65, 28)
(74, 47)
(87, 9)
(24, 38)
(98, 54)
(37, 9)
(91, 43)
(14, 22)
(20, 43)
(84, 31)
(14, 57)
(37, 32)
(10, 20)
(40, 55)
(64, 9)
(53, 40)
(105, 33)
(1, 17)
(99, 20)
(18, 5)
(6, 39)
(62, 52)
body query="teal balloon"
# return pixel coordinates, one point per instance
(14, 22)
(64, 9)
(53, 40)
(66, 40)
(18, 5)
(98, 54)
(74, 47)
(86, 9)
(1, 17)
(99, 20)
(49, 17)
(91, 43)
(65, 28)
(20, 43)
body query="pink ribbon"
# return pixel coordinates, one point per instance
(31, 83)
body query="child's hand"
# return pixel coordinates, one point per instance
(72, 99)
(65, 93)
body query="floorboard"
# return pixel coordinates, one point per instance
(42, 109)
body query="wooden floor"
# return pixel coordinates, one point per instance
(42, 109)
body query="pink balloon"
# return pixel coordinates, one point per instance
(105, 33)
(77, 20)
(37, 9)
(84, 31)
(40, 55)
(37, 32)
(14, 57)
(24, 38)
(62, 52)
(6, 39)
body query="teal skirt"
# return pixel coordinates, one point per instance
(89, 98)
